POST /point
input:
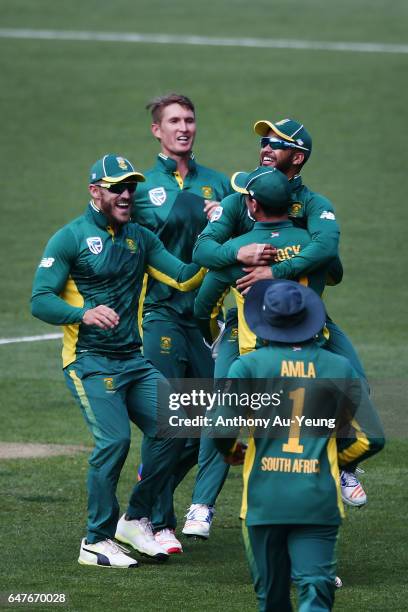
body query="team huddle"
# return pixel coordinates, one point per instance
(179, 273)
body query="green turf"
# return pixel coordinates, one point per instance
(63, 105)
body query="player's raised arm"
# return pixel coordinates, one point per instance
(164, 267)
(209, 300)
(325, 233)
(212, 248)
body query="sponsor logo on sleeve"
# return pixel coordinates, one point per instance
(327, 214)
(274, 234)
(95, 244)
(216, 213)
(46, 262)
(157, 196)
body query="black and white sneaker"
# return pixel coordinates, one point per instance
(105, 554)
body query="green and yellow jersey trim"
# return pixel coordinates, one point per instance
(179, 179)
(72, 296)
(248, 465)
(357, 448)
(188, 285)
(334, 470)
(246, 337)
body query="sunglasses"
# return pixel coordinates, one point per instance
(119, 188)
(276, 143)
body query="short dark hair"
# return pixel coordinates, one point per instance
(276, 212)
(158, 104)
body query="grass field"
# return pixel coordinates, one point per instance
(64, 104)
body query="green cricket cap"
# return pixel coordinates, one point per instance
(269, 186)
(114, 169)
(289, 130)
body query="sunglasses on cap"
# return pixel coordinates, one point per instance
(119, 188)
(277, 143)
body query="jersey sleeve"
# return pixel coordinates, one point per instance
(164, 267)
(226, 437)
(363, 434)
(334, 274)
(209, 300)
(323, 247)
(210, 250)
(50, 279)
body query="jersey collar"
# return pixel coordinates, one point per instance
(296, 182)
(169, 165)
(273, 225)
(96, 216)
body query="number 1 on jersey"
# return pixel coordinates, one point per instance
(292, 445)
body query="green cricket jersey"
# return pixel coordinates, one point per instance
(309, 210)
(291, 473)
(290, 241)
(85, 264)
(173, 209)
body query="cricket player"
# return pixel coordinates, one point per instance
(267, 196)
(291, 503)
(287, 146)
(89, 280)
(171, 203)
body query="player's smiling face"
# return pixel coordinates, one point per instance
(115, 206)
(176, 130)
(277, 158)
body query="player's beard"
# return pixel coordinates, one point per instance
(284, 165)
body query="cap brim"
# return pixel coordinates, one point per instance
(238, 182)
(305, 330)
(136, 177)
(262, 128)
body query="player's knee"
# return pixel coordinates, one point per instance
(315, 588)
(110, 451)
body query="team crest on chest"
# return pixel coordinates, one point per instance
(157, 196)
(95, 244)
(295, 209)
(131, 245)
(207, 192)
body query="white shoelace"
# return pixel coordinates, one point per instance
(351, 480)
(199, 513)
(146, 526)
(115, 547)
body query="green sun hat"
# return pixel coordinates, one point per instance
(114, 169)
(269, 186)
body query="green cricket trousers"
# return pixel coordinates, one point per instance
(111, 393)
(302, 554)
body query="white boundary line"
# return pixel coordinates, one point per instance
(169, 39)
(30, 338)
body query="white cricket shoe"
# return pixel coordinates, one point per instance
(105, 554)
(199, 518)
(167, 540)
(338, 583)
(352, 493)
(139, 534)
